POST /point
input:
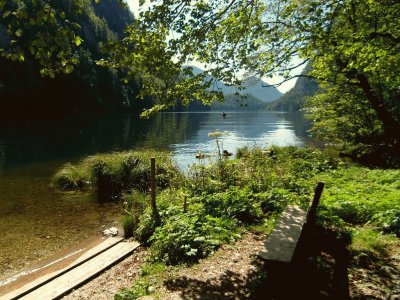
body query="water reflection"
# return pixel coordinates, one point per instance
(251, 129)
(70, 139)
(35, 219)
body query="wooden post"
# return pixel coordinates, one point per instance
(153, 192)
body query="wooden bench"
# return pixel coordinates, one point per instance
(281, 244)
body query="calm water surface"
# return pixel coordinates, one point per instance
(36, 220)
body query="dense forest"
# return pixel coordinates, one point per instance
(88, 88)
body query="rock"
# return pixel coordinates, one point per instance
(112, 231)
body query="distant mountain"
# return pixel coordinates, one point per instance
(294, 99)
(260, 89)
(253, 86)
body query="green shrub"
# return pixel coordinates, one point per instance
(234, 203)
(146, 227)
(388, 221)
(274, 200)
(190, 236)
(140, 288)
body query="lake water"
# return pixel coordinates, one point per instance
(37, 221)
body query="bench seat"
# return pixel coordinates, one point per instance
(281, 243)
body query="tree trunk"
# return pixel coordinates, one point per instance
(391, 127)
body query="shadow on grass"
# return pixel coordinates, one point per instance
(319, 271)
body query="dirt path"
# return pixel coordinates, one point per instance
(235, 272)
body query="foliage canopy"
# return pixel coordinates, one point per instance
(352, 46)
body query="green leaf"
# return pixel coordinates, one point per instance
(78, 41)
(18, 32)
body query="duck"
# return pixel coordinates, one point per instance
(226, 153)
(200, 155)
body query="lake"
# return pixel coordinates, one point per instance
(37, 221)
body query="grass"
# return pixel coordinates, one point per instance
(114, 173)
(367, 240)
(358, 195)
(248, 192)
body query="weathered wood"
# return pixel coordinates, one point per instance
(281, 243)
(61, 285)
(59, 267)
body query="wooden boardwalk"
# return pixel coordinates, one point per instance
(59, 283)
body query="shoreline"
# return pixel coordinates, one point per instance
(48, 265)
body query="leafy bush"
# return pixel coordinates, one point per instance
(388, 221)
(146, 227)
(234, 203)
(190, 236)
(274, 200)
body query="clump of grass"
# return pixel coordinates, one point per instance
(128, 225)
(134, 205)
(71, 177)
(113, 173)
(366, 240)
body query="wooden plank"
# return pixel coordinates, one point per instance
(84, 255)
(281, 244)
(62, 285)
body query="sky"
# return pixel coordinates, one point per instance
(134, 6)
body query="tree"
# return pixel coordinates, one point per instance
(352, 45)
(48, 27)
(45, 27)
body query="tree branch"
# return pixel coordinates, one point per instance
(288, 79)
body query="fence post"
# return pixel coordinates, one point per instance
(156, 214)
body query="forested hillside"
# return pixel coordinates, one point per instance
(294, 99)
(24, 92)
